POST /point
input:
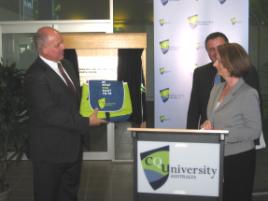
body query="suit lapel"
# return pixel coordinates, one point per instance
(231, 95)
(53, 76)
(57, 81)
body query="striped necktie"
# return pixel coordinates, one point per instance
(67, 80)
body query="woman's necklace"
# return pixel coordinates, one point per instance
(227, 88)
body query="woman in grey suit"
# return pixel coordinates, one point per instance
(234, 106)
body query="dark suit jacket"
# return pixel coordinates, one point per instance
(203, 81)
(56, 127)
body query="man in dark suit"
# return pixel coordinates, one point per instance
(204, 78)
(56, 128)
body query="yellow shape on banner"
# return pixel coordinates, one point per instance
(192, 20)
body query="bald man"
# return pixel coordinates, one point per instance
(56, 127)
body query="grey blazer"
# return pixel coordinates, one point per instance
(239, 113)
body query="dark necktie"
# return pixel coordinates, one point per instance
(67, 80)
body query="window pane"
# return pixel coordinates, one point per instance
(18, 48)
(54, 10)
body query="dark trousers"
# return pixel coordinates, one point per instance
(239, 171)
(56, 182)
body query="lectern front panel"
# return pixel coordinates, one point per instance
(177, 166)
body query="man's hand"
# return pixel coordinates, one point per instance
(94, 120)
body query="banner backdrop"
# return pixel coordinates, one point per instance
(180, 29)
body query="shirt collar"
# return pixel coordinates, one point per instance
(51, 63)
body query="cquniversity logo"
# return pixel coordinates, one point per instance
(162, 22)
(163, 118)
(102, 102)
(164, 93)
(163, 70)
(193, 20)
(164, 46)
(234, 21)
(155, 164)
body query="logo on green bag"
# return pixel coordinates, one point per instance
(102, 103)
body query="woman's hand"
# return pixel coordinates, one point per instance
(207, 125)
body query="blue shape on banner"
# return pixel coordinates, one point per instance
(164, 2)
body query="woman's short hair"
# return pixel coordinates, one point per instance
(234, 58)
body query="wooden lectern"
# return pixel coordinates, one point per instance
(178, 164)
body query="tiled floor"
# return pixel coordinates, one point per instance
(100, 181)
(113, 181)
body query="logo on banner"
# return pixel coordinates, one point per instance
(164, 2)
(164, 45)
(162, 70)
(222, 1)
(164, 93)
(155, 164)
(194, 21)
(234, 21)
(163, 118)
(162, 22)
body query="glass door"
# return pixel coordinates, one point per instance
(16, 45)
